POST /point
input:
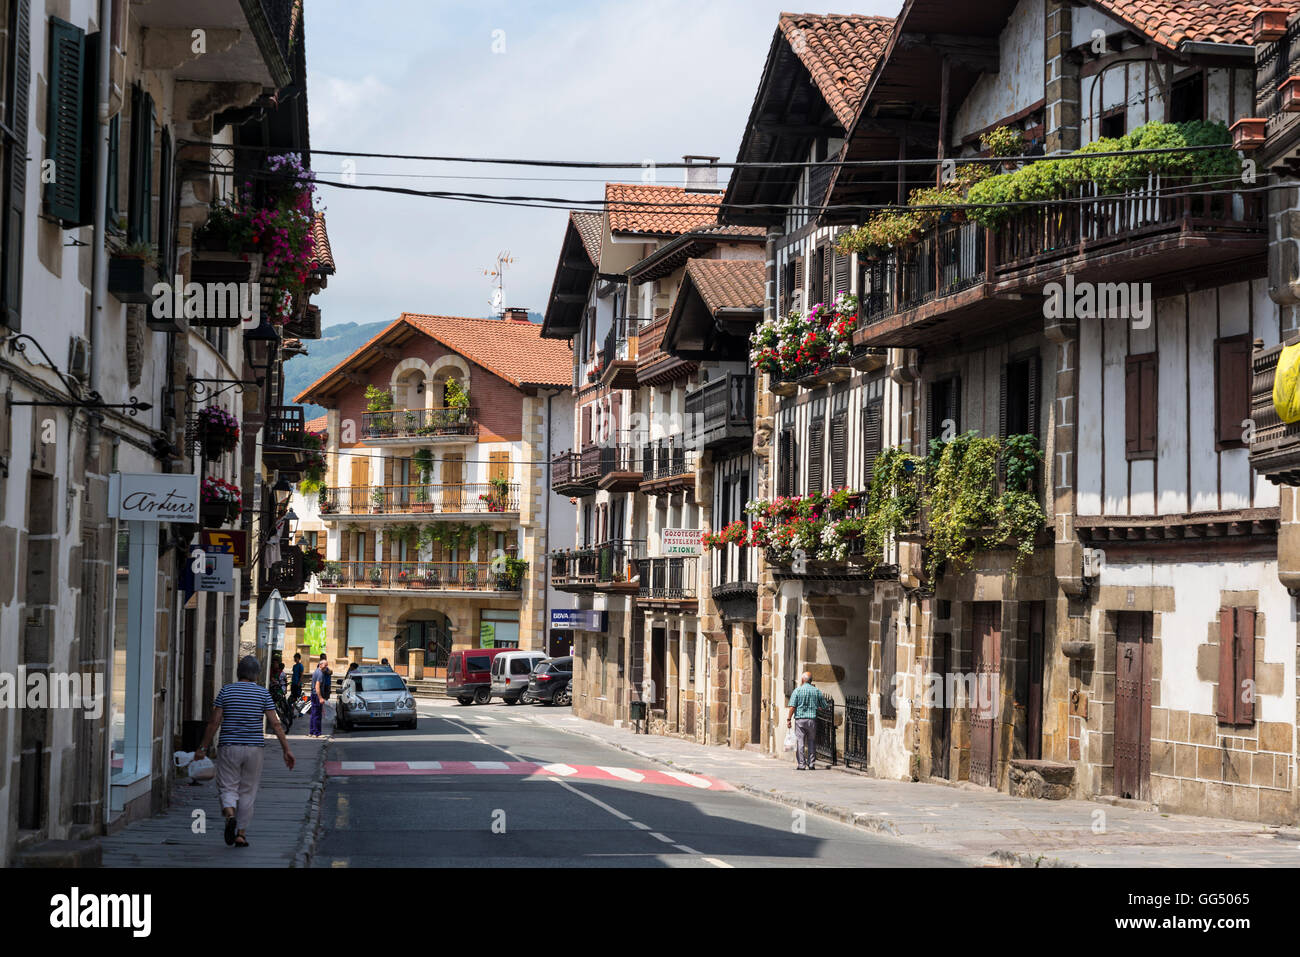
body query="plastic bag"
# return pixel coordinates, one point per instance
(790, 739)
(1286, 384)
(182, 758)
(202, 769)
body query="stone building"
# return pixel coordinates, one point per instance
(435, 510)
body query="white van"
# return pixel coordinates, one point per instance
(510, 671)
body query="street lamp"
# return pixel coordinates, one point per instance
(262, 340)
(283, 490)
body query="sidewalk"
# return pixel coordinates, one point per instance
(977, 824)
(284, 820)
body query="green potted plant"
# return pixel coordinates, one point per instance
(379, 400)
(377, 500)
(376, 574)
(457, 397)
(331, 575)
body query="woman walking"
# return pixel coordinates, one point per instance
(238, 711)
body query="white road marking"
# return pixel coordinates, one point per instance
(597, 801)
(627, 774)
(663, 837)
(356, 765)
(685, 850)
(644, 827)
(716, 862)
(424, 765)
(561, 769)
(490, 765)
(691, 779)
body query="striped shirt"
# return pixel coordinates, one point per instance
(805, 700)
(242, 705)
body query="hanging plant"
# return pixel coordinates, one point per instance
(800, 344)
(313, 469)
(218, 431)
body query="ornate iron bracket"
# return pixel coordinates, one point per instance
(197, 389)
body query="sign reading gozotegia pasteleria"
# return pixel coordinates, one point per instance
(153, 497)
(680, 541)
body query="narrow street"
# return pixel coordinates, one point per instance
(596, 814)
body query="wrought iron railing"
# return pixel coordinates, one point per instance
(420, 499)
(825, 749)
(609, 563)
(945, 261)
(620, 339)
(670, 579)
(428, 576)
(856, 725)
(732, 565)
(419, 423)
(1274, 63)
(666, 458)
(619, 454)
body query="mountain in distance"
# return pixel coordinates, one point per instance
(337, 342)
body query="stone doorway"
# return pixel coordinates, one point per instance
(1133, 705)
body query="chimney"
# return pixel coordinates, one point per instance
(701, 174)
(516, 314)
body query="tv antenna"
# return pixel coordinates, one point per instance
(497, 272)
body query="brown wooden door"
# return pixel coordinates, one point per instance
(1133, 706)
(453, 475)
(755, 686)
(1034, 698)
(986, 647)
(658, 641)
(941, 722)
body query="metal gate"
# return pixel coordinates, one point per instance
(1133, 706)
(825, 748)
(856, 711)
(986, 648)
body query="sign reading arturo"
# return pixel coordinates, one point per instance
(153, 497)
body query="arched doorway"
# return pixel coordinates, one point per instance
(424, 632)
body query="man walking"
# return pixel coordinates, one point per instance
(318, 694)
(804, 702)
(238, 712)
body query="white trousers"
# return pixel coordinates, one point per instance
(239, 770)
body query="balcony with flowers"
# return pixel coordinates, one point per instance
(806, 350)
(219, 503)
(217, 431)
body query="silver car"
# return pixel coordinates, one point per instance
(375, 697)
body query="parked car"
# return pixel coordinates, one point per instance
(550, 681)
(375, 697)
(469, 674)
(510, 674)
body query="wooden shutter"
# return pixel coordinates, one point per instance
(114, 152)
(1140, 406)
(841, 277)
(1236, 666)
(871, 439)
(65, 122)
(797, 288)
(783, 462)
(945, 403)
(839, 450)
(888, 663)
(584, 436)
(166, 207)
(1232, 382)
(15, 170)
(791, 663)
(787, 283)
(825, 264)
(499, 465)
(140, 201)
(816, 455)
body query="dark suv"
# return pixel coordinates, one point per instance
(550, 681)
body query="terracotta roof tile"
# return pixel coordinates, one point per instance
(1170, 22)
(322, 255)
(728, 283)
(627, 215)
(840, 51)
(508, 348)
(589, 227)
(317, 424)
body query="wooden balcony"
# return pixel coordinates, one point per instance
(576, 473)
(654, 366)
(667, 466)
(670, 584)
(1274, 445)
(420, 426)
(424, 577)
(383, 502)
(962, 280)
(609, 567)
(1275, 96)
(620, 354)
(620, 465)
(283, 444)
(725, 410)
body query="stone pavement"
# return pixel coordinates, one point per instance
(980, 825)
(284, 820)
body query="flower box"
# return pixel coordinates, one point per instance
(1290, 90)
(868, 360)
(1249, 133)
(825, 376)
(1269, 24)
(217, 514)
(784, 387)
(131, 279)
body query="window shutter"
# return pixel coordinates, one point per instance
(1003, 398)
(871, 440)
(787, 283)
(791, 663)
(114, 150)
(1140, 406)
(783, 460)
(166, 207)
(1032, 412)
(839, 450)
(841, 283)
(64, 122)
(1233, 387)
(796, 291)
(816, 456)
(954, 403)
(827, 264)
(89, 130)
(499, 465)
(616, 418)
(15, 170)
(139, 209)
(585, 435)
(888, 663)
(1244, 666)
(1227, 635)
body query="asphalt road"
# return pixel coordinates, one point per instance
(488, 786)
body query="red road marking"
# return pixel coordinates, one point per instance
(518, 768)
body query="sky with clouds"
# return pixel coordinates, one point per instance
(590, 80)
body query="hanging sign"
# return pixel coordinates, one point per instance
(154, 497)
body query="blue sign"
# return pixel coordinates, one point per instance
(581, 619)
